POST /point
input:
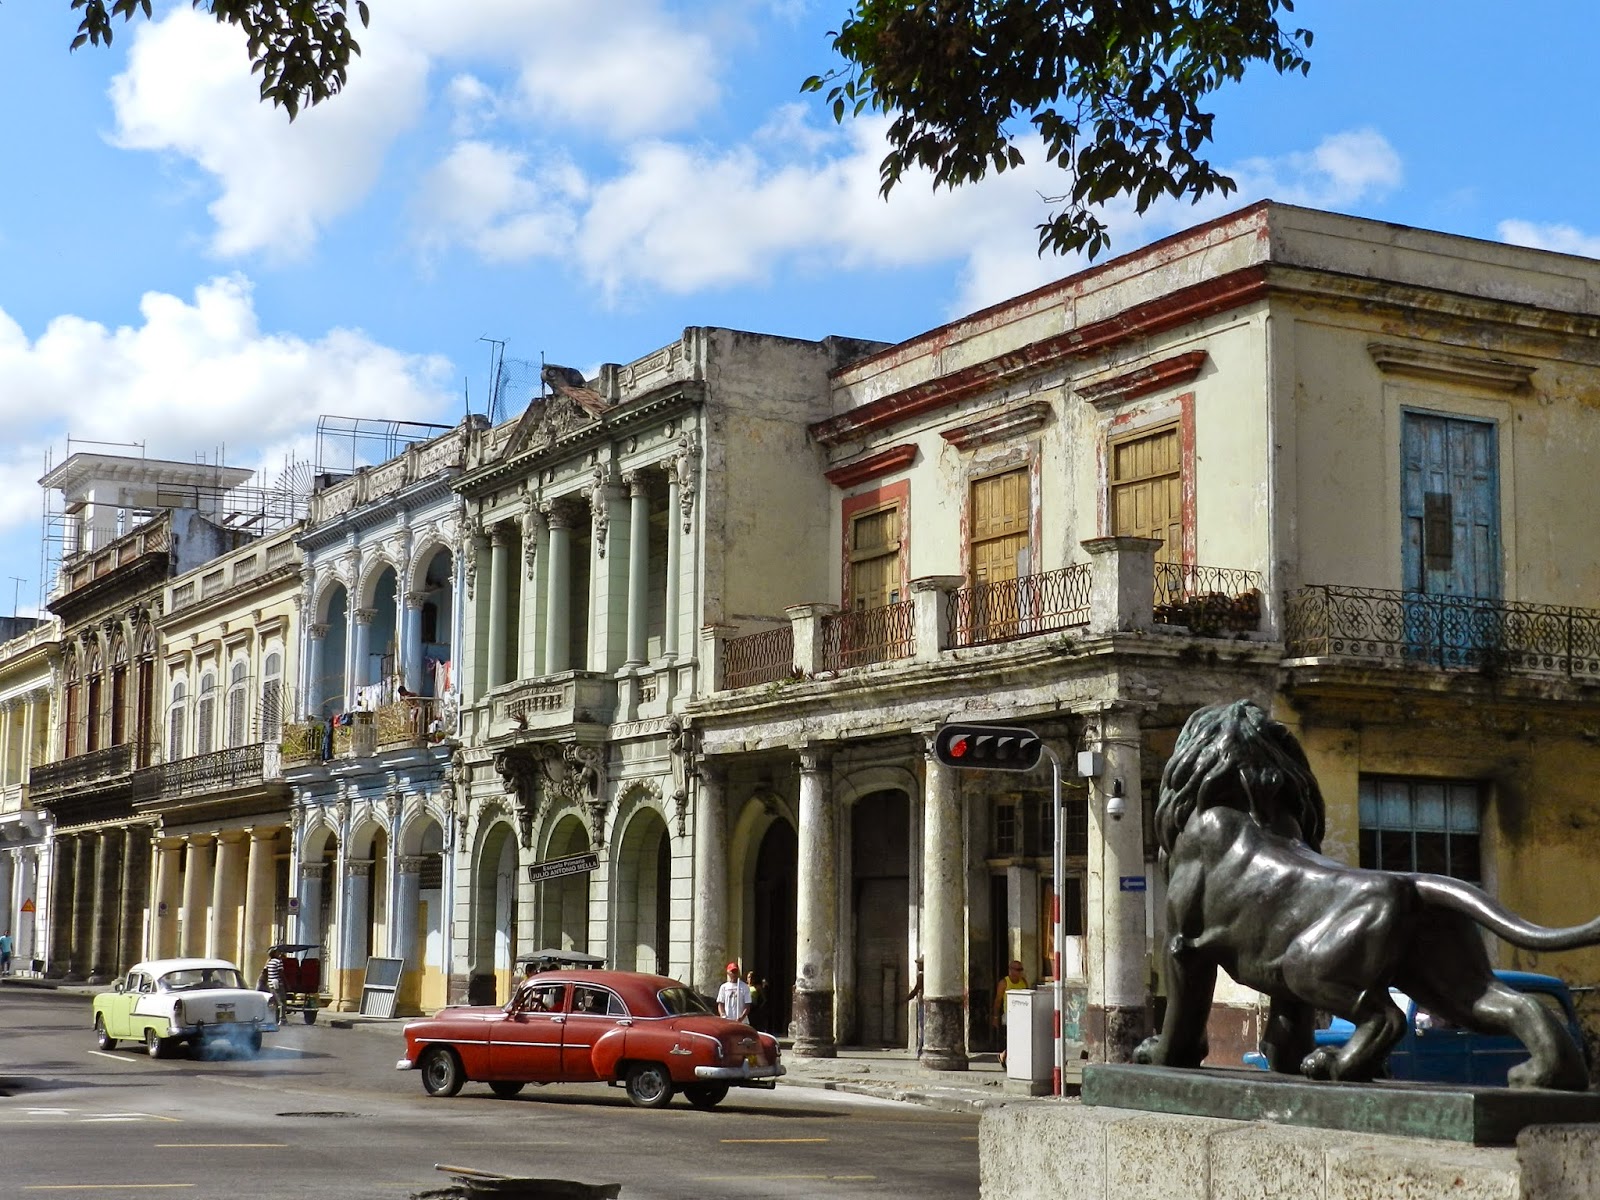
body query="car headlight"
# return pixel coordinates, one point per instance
(177, 1013)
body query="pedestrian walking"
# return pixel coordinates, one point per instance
(758, 1000)
(733, 997)
(5, 953)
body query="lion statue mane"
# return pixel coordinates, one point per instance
(1240, 822)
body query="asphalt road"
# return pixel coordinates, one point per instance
(322, 1113)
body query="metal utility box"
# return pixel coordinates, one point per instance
(1030, 1034)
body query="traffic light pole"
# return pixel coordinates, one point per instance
(1058, 868)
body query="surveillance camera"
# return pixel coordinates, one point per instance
(1115, 807)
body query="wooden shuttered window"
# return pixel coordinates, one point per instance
(875, 558)
(1147, 490)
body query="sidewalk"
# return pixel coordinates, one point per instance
(885, 1074)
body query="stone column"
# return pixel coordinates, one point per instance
(711, 949)
(227, 883)
(26, 933)
(411, 641)
(260, 878)
(638, 564)
(361, 654)
(943, 909)
(196, 894)
(669, 639)
(315, 671)
(816, 910)
(558, 597)
(403, 930)
(83, 904)
(1114, 1020)
(134, 897)
(499, 604)
(103, 938)
(164, 920)
(308, 926)
(8, 895)
(930, 606)
(355, 918)
(534, 600)
(63, 883)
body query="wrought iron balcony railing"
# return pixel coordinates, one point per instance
(764, 657)
(1451, 632)
(1207, 600)
(870, 635)
(199, 774)
(1013, 608)
(49, 779)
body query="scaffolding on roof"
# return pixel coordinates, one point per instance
(345, 444)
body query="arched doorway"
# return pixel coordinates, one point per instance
(774, 917)
(564, 902)
(419, 919)
(494, 917)
(328, 688)
(881, 901)
(644, 895)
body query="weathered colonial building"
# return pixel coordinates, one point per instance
(369, 756)
(28, 659)
(133, 524)
(227, 636)
(609, 525)
(1332, 465)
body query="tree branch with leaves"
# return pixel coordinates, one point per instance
(300, 48)
(1114, 89)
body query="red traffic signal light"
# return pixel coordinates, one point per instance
(987, 747)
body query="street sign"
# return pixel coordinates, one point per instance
(1132, 883)
(27, 905)
(987, 747)
(555, 868)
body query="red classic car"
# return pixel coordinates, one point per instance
(649, 1033)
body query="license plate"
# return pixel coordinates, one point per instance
(749, 1060)
(225, 1015)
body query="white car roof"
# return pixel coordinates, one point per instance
(160, 966)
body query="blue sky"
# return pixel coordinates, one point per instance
(183, 267)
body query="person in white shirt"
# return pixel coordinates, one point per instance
(733, 997)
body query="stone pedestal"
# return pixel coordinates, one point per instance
(1060, 1150)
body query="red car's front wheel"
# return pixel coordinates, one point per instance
(441, 1071)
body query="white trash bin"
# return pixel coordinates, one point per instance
(1030, 1034)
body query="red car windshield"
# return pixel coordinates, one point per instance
(682, 1001)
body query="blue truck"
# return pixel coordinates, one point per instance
(1435, 1051)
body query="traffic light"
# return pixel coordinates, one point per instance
(987, 747)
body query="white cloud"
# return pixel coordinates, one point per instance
(623, 69)
(683, 218)
(1562, 238)
(194, 376)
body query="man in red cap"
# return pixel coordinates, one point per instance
(733, 997)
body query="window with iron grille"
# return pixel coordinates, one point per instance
(1006, 841)
(272, 698)
(1432, 825)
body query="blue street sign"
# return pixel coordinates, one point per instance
(1132, 883)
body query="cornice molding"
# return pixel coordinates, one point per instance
(1130, 385)
(874, 466)
(1446, 366)
(1013, 422)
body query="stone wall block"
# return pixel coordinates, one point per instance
(1559, 1162)
(1385, 1168)
(1042, 1152)
(1267, 1162)
(1156, 1158)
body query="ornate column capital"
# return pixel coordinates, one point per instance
(415, 599)
(318, 630)
(364, 616)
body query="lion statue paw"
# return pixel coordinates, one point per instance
(1319, 1063)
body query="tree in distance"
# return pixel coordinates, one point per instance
(300, 48)
(1113, 88)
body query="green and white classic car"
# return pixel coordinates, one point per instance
(172, 1001)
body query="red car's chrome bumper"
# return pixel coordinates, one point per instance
(740, 1073)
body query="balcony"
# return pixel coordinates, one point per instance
(412, 721)
(869, 635)
(233, 769)
(1121, 589)
(1014, 608)
(552, 702)
(316, 741)
(105, 765)
(1452, 633)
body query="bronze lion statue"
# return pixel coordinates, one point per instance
(1240, 822)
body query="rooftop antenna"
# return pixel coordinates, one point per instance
(497, 354)
(16, 594)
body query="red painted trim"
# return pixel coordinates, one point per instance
(1244, 218)
(1166, 312)
(898, 494)
(1169, 372)
(872, 467)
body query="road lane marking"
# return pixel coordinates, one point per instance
(222, 1145)
(100, 1187)
(765, 1176)
(121, 1058)
(769, 1141)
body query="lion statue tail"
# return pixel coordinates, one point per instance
(1444, 892)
